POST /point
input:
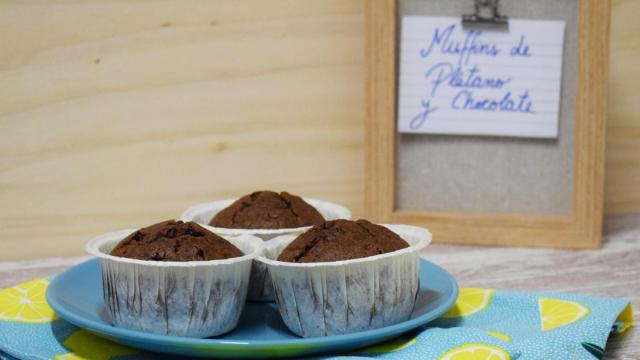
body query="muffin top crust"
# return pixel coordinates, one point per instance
(175, 241)
(342, 240)
(267, 210)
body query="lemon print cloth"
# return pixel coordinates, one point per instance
(484, 324)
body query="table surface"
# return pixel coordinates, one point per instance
(612, 271)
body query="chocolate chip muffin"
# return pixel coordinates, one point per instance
(267, 210)
(175, 241)
(342, 240)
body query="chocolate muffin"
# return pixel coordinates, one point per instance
(342, 240)
(175, 241)
(267, 210)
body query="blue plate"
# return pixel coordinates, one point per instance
(76, 295)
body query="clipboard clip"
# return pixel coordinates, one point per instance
(486, 14)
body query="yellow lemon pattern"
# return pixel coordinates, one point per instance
(26, 303)
(475, 351)
(501, 336)
(625, 319)
(86, 346)
(470, 301)
(555, 313)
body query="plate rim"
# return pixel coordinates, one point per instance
(114, 332)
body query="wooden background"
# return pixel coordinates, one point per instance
(117, 114)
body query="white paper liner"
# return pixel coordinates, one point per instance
(260, 288)
(182, 298)
(332, 298)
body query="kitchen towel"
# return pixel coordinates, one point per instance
(484, 324)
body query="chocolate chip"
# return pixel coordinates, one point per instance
(137, 236)
(171, 233)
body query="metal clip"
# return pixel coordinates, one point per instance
(486, 13)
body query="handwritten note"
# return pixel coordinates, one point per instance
(467, 81)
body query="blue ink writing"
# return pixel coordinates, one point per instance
(462, 77)
(472, 45)
(445, 73)
(464, 100)
(419, 119)
(521, 49)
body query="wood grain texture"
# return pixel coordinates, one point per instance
(591, 112)
(380, 107)
(581, 229)
(622, 176)
(117, 114)
(612, 271)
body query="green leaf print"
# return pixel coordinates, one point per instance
(594, 349)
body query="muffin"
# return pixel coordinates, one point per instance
(267, 210)
(175, 278)
(175, 241)
(342, 240)
(345, 276)
(256, 214)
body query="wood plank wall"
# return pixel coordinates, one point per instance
(117, 114)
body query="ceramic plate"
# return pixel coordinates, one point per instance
(76, 295)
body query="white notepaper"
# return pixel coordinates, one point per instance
(467, 81)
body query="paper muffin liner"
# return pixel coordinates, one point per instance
(182, 298)
(332, 298)
(260, 288)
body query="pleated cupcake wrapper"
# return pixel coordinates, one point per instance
(190, 298)
(333, 298)
(260, 288)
